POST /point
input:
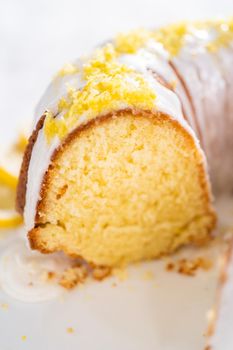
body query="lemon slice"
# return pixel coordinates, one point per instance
(9, 219)
(10, 160)
(21, 142)
(7, 178)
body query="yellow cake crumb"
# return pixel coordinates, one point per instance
(70, 330)
(51, 275)
(100, 272)
(170, 266)
(24, 337)
(121, 273)
(73, 276)
(189, 267)
(4, 306)
(148, 275)
(48, 276)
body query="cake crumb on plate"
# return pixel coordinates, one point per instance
(189, 267)
(120, 273)
(148, 275)
(100, 272)
(73, 276)
(4, 306)
(70, 330)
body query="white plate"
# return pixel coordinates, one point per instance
(165, 312)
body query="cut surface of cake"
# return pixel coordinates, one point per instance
(130, 188)
(113, 171)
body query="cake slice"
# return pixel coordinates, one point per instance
(124, 187)
(113, 172)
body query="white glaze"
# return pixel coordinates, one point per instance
(160, 63)
(225, 61)
(57, 89)
(209, 85)
(39, 163)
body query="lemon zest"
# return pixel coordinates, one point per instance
(67, 69)
(109, 86)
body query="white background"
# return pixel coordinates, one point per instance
(38, 37)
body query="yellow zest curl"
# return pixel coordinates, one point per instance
(67, 69)
(131, 42)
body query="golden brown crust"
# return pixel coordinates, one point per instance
(22, 182)
(32, 235)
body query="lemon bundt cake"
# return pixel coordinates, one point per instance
(113, 171)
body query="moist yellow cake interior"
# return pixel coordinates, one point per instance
(127, 189)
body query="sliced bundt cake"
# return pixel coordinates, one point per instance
(125, 187)
(113, 171)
